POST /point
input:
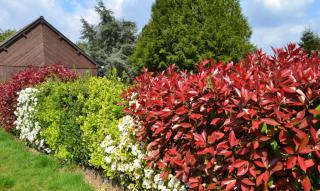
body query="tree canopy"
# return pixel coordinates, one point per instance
(309, 41)
(182, 32)
(110, 42)
(4, 34)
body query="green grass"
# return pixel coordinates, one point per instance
(21, 170)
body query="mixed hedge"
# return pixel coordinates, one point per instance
(23, 79)
(253, 125)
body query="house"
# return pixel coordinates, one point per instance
(39, 44)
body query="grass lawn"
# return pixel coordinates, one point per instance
(21, 170)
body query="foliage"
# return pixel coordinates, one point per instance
(21, 80)
(310, 41)
(125, 161)
(4, 34)
(247, 126)
(100, 114)
(110, 42)
(58, 109)
(182, 32)
(21, 170)
(26, 124)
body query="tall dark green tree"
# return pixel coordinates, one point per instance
(309, 41)
(182, 32)
(110, 42)
(4, 34)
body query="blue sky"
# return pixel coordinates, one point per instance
(274, 22)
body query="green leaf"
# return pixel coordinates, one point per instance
(264, 128)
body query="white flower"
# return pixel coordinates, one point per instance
(25, 123)
(126, 162)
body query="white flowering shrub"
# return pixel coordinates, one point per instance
(125, 161)
(25, 124)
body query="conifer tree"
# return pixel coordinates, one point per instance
(309, 41)
(182, 32)
(110, 42)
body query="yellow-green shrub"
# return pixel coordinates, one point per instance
(101, 113)
(76, 116)
(57, 112)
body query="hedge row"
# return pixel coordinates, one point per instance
(24, 79)
(81, 121)
(247, 126)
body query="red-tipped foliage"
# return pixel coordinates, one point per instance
(245, 126)
(21, 80)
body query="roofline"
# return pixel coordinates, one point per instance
(22, 33)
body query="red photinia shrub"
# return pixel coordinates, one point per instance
(21, 80)
(246, 126)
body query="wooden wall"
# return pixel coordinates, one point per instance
(24, 52)
(42, 46)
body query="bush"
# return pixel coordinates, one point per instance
(76, 116)
(125, 160)
(253, 125)
(57, 111)
(26, 124)
(100, 114)
(21, 80)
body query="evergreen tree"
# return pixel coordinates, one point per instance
(182, 32)
(309, 41)
(110, 42)
(4, 34)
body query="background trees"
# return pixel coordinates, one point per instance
(309, 41)
(184, 31)
(110, 42)
(4, 34)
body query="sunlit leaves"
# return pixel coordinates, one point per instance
(247, 125)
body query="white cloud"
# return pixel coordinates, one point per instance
(284, 5)
(277, 22)
(277, 36)
(18, 13)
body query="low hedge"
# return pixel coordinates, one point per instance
(247, 126)
(58, 109)
(23, 79)
(76, 116)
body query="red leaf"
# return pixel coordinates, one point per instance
(302, 164)
(232, 139)
(195, 116)
(215, 136)
(186, 125)
(242, 170)
(289, 150)
(229, 183)
(252, 171)
(181, 110)
(306, 184)
(260, 164)
(239, 163)
(212, 186)
(309, 163)
(262, 177)
(313, 133)
(270, 121)
(247, 182)
(291, 162)
(255, 125)
(215, 121)
(301, 114)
